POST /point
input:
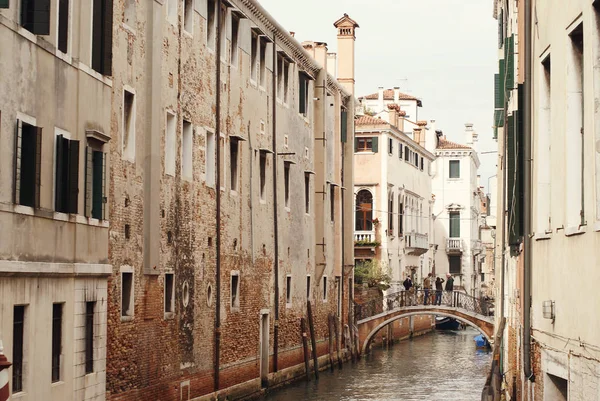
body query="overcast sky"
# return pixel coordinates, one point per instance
(441, 51)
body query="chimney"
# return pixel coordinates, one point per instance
(417, 134)
(396, 94)
(380, 99)
(346, 27)
(332, 64)
(393, 111)
(321, 53)
(292, 34)
(469, 134)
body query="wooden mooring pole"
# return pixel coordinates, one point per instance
(305, 347)
(313, 340)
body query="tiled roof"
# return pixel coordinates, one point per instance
(446, 144)
(368, 120)
(388, 94)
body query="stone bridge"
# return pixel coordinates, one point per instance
(374, 316)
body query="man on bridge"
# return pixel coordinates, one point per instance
(427, 286)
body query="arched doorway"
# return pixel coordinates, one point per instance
(364, 211)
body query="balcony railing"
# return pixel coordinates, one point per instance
(416, 244)
(364, 236)
(454, 245)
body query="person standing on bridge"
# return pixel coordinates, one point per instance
(449, 282)
(438, 290)
(427, 286)
(408, 287)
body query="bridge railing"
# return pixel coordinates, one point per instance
(413, 297)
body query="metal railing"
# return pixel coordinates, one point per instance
(364, 236)
(414, 240)
(456, 299)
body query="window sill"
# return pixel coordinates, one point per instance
(126, 318)
(58, 383)
(234, 309)
(233, 193)
(263, 202)
(542, 236)
(572, 231)
(52, 215)
(287, 209)
(288, 305)
(364, 152)
(20, 394)
(597, 226)
(169, 315)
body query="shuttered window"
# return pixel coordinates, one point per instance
(303, 95)
(27, 164)
(514, 171)
(67, 175)
(509, 56)
(102, 36)
(95, 183)
(344, 126)
(407, 154)
(89, 336)
(4, 3)
(35, 16)
(366, 144)
(63, 25)
(454, 224)
(455, 264)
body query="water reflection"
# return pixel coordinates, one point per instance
(438, 366)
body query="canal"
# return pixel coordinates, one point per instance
(443, 365)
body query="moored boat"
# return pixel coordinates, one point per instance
(446, 323)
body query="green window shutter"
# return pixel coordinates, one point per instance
(498, 118)
(97, 184)
(355, 144)
(61, 144)
(510, 62)
(502, 83)
(375, 146)
(511, 160)
(4, 3)
(344, 126)
(87, 201)
(73, 176)
(38, 165)
(497, 90)
(17, 162)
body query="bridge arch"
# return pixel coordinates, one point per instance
(402, 314)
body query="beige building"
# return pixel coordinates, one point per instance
(55, 131)
(552, 344)
(393, 199)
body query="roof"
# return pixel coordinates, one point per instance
(368, 120)
(346, 20)
(446, 144)
(388, 94)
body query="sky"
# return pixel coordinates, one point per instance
(441, 51)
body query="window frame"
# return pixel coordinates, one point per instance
(127, 271)
(456, 174)
(187, 150)
(128, 125)
(366, 142)
(288, 291)
(89, 336)
(234, 290)
(33, 183)
(169, 295)
(262, 177)
(454, 218)
(57, 341)
(18, 348)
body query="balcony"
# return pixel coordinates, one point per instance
(365, 239)
(454, 246)
(416, 244)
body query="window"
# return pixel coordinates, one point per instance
(263, 173)
(332, 202)
(307, 193)
(89, 336)
(555, 388)
(454, 224)
(263, 62)
(400, 216)
(128, 125)
(286, 183)
(17, 351)
(102, 36)
(57, 311)
(406, 153)
(63, 25)
(233, 162)
(454, 168)
(254, 57)
(574, 148)
(390, 146)
(308, 288)
(35, 16)
(283, 71)
(169, 293)
(235, 290)
(288, 290)
(188, 15)
(210, 159)
(422, 163)
(222, 30)
(391, 214)
(235, 33)
(212, 24)
(28, 158)
(455, 264)
(366, 144)
(543, 161)
(129, 14)
(95, 181)
(303, 95)
(400, 151)
(127, 294)
(172, 10)
(324, 288)
(170, 144)
(67, 175)
(364, 211)
(416, 159)
(187, 143)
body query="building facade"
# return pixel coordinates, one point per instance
(393, 199)
(376, 104)
(551, 346)
(192, 164)
(55, 127)
(456, 211)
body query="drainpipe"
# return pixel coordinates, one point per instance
(527, 197)
(218, 191)
(275, 209)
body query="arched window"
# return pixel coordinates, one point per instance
(364, 211)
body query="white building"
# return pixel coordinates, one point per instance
(457, 209)
(376, 104)
(392, 186)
